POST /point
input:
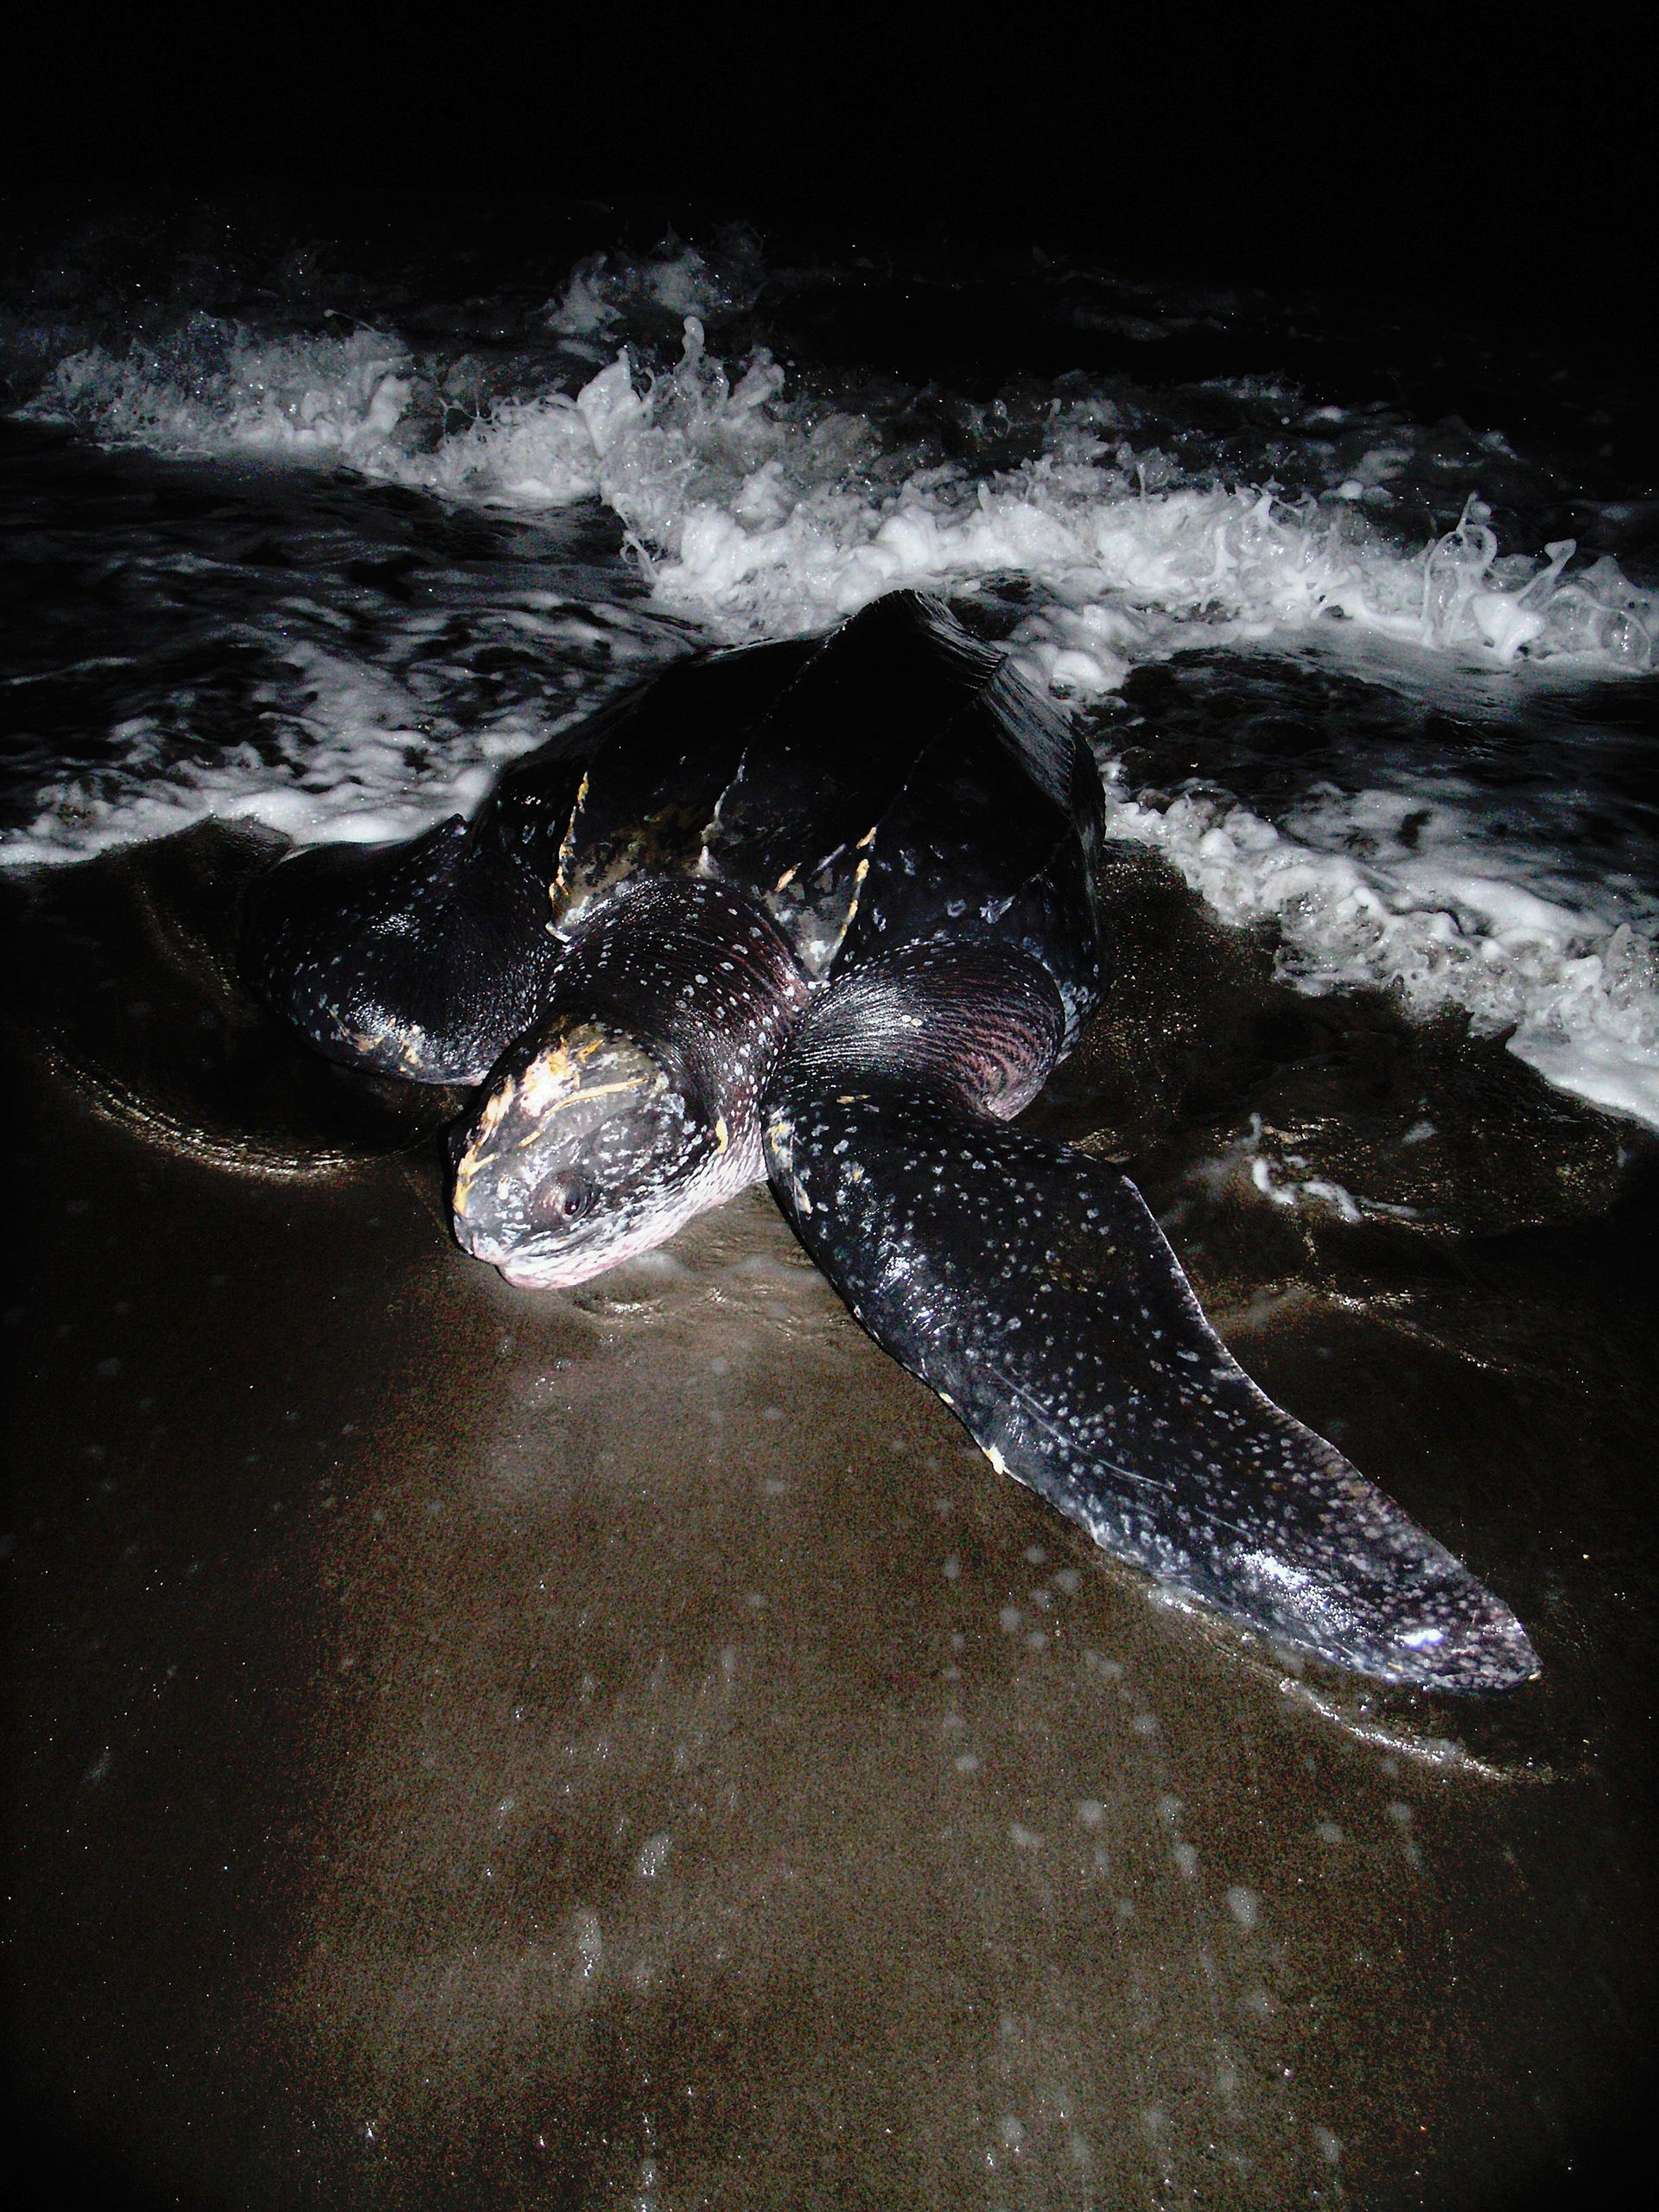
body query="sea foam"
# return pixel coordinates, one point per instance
(757, 512)
(1576, 985)
(765, 515)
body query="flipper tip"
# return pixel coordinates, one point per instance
(1486, 1650)
(1417, 1619)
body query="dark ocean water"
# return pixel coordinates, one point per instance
(1360, 616)
(305, 532)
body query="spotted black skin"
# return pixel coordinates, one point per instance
(1030, 1286)
(823, 913)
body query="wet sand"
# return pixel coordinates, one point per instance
(478, 1748)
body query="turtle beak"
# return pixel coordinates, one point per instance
(489, 1200)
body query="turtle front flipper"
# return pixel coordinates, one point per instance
(1029, 1284)
(421, 960)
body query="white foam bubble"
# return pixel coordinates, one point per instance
(215, 388)
(608, 295)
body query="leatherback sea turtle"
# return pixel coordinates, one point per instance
(825, 912)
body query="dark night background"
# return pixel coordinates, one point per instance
(1488, 156)
(1494, 159)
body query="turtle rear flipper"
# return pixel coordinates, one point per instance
(1029, 1284)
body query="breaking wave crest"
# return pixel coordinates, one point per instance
(1444, 929)
(758, 505)
(764, 514)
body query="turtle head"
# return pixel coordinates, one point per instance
(592, 1144)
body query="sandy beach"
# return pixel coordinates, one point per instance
(482, 1748)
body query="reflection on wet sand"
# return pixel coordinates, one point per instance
(480, 1747)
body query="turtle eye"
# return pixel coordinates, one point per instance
(563, 1199)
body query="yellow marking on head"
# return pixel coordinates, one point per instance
(576, 1093)
(869, 838)
(722, 1135)
(996, 1457)
(495, 1110)
(784, 881)
(494, 1106)
(547, 1080)
(609, 1089)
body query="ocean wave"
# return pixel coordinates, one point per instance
(762, 513)
(759, 510)
(1442, 926)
